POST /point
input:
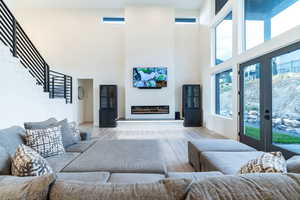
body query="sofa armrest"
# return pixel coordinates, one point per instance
(85, 136)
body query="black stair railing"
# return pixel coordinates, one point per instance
(13, 36)
(60, 86)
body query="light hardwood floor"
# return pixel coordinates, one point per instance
(172, 135)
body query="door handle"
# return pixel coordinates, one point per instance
(267, 115)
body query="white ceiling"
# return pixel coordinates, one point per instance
(178, 4)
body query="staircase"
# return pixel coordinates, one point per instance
(12, 35)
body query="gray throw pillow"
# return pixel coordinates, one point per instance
(47, 142)
(162, 190)
(40, 125)
(293, 164)
(29, 188)
(27, 162)
(67, 133)
(75, 132)
(4, 161)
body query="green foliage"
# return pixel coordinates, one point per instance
(279, 138)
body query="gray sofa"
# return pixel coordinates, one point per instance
(135, 170)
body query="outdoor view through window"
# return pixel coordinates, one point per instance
(285, 101)
(224, 93)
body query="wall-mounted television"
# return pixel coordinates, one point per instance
(150, 77)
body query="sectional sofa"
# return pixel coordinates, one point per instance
(135, 169)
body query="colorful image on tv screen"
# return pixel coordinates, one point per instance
(155, 77)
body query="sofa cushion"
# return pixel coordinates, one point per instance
(131, 178)
(28, 162)
(40, 125)
(293, 164)
(272, 162)
(121, 156)
(80, 147)
(196, 147)
(247, 187)
(5, 161)
(227, 162)
(162, 190)
(195, 176)
(19, 188)
(219, 145)
(11, 138)
(47, 142)
(58, 163)
(93, 177)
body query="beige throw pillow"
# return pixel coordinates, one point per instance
(27, 162)
(273, 162)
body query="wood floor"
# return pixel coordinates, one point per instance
(172, 135)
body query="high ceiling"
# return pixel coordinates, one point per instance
(179, 4)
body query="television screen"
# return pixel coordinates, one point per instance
(155, 77)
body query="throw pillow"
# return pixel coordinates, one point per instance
(293, 164)
(162, 190)
(75, 131)
(29, 188)
(40, 125)
(267, 163)
(27, 162)
(47, 142)
(67, 133)
(4, 161)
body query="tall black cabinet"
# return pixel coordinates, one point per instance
(108, 112)
(192, 105)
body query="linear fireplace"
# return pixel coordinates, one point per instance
(144, 110)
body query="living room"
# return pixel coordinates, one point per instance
(146, 92)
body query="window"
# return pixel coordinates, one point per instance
(267, 19)
(113, 20)
(219, 4)
(224, 93)
(224, 40)
(186, 20)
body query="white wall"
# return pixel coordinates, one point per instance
(187, 55)
(225, 126)
(74, 41)
(24, 101)
(150, 43)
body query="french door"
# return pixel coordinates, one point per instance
(270, 101)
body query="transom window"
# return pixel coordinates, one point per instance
(219, 4)
(223, 40)
(267, 19)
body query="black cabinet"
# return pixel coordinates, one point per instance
(108, 112)
(191, 105)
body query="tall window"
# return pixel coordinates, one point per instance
(267, 19)
(224, 40)
(224, 93)
(219, 4)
